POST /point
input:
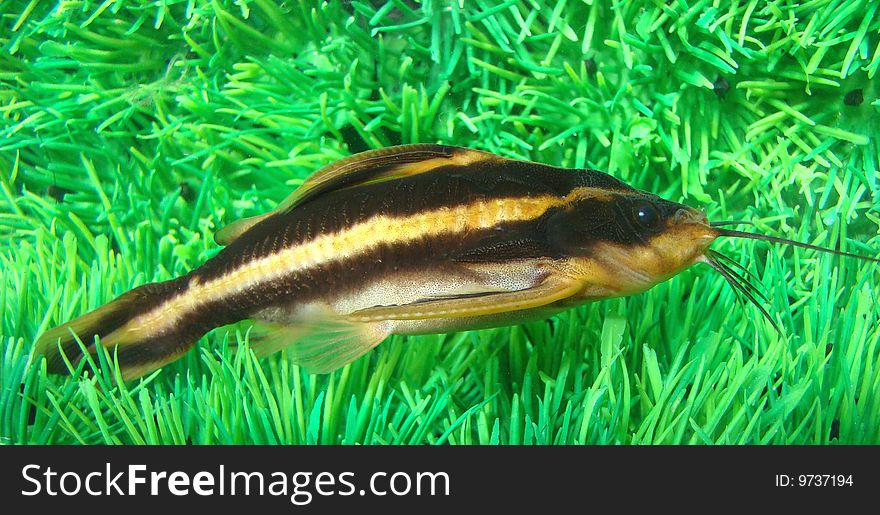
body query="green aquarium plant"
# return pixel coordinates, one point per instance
(131, 131)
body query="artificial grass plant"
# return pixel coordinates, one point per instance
(130, 131)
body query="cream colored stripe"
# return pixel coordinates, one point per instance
(345, 244)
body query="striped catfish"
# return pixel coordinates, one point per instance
(408, 240)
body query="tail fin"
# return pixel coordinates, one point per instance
(139, 350)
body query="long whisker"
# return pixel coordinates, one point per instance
(722, 223)
(740, 288)
(774, 239)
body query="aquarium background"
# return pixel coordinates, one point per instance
(131, 131)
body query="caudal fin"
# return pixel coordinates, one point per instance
(139, 348)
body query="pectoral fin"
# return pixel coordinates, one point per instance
(321, 346)
(550, 290)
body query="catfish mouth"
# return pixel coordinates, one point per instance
(741, 279)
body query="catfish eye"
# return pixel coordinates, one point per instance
(647, 215)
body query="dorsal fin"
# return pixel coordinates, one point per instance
(380, 165)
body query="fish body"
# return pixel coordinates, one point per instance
(406, 240)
